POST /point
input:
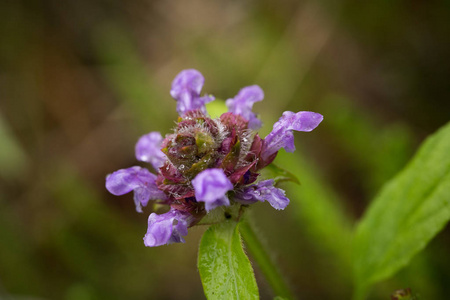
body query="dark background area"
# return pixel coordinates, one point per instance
(81, 81)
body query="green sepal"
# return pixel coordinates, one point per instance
(232, 158)
(278, 174)
(204, 142)
(203, 164)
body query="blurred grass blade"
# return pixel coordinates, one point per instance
(408, 212)
(351, 127)
(225, 270)
(129, 78)
(318, 211)
(13, 160)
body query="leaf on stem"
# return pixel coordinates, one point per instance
(225, 270)
(408, 212)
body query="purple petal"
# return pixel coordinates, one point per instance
(211, 186)
(301, 121)
(162, 230)
(148, 149)
(136, 179)
(186, 89)
(282, 136)
(243, 102)
(263, 191)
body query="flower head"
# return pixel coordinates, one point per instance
(207, 163)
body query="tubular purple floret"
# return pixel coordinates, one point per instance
(162, 230)
(136, 179)
(210, 187)
(186, 88)
(281, 135)
(148, 149)
(243, 102)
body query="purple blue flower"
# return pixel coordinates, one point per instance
(207, 163)
(148, 149)
(136, 179)
(263, 191)
(211, 187)
(282, 137)
(242, 105)
(163, 230)
(186, 89)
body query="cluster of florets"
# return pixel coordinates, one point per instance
(207, 163)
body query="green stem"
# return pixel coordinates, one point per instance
(266, 264)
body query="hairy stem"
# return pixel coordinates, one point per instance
(266, 263)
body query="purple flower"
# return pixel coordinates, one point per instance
(136, 179)
(211, 187)
(207, 163)
(263, 191)
(163, 230)
(186, 89)
(243, 102)
(282, 136)
(148, 149)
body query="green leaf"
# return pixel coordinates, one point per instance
(408, 212)
(225, 270)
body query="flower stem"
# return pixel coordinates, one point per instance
(266, 263)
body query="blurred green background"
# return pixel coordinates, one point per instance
(81, 81)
